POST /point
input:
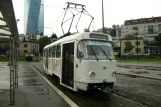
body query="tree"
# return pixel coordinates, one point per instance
(113, 32)
(53, 35)
(110, 31)
(158, 41)
(43, 42)
(1, 49)
(128, 47)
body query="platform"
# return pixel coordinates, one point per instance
(33, 90)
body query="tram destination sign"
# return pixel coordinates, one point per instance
(98, 36)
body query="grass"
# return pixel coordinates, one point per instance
(141, 59)
(20, 59)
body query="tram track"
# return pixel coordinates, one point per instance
(103, 103)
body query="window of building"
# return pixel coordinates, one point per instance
(58, 51)
(146, 50)
(119, 32)
(125, 43)
(25, 51)
(137, 43)
(50, 51)
(159, 27)
(135, 28)
(54, 52)
(44, 53)
(150, 29)
(154, 50)
(25, 45)
(137, 50)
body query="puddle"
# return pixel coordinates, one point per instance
(32, 82)
(139, 72)
(132, 76)
(45, 92)
(159, 74)
(138, 68)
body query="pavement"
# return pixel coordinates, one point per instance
(144, 70)
(33, 90)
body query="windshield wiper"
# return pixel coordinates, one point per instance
(105, 54)
(94, 53)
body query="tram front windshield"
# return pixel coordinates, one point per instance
(95, 50)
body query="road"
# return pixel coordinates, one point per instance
(141, 90)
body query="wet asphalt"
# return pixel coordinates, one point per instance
(129, 91)
(33, 91)
(141, 90)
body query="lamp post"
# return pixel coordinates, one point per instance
(102, 17)
(137, 46)
(136, 33)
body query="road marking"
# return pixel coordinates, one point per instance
(68, 100)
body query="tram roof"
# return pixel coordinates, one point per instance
(8, 24)
(77, 36)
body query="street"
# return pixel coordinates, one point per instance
(141, 90)
(128, 91)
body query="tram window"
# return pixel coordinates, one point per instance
(53, 51)
(81, 51)
(50, 51)
(44, 53)
(58, 51)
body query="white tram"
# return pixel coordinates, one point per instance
(81, 61)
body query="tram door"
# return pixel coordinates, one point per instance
(46, 62)
(68, 64)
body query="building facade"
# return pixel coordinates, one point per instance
(135, 42)
(28, 47)
(33, 17)
(148, 28)
(28, 44)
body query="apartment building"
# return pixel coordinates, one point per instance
(147, 28)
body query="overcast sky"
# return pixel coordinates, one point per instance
(116, 11)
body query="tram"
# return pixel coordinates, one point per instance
(81, 61)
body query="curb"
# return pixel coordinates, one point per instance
(148, 77)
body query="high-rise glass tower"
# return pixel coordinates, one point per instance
(33, 17)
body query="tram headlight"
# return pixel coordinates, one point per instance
(92, 74)
(113, 73)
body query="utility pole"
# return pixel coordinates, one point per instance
(103, 18)
(137, 46)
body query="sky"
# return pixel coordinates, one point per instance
(115, 12)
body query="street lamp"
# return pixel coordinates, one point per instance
(136, 33)
(102, 17)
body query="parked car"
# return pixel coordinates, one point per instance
(124, 54)
(139, 54)
(2, 56)
(29, 55)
